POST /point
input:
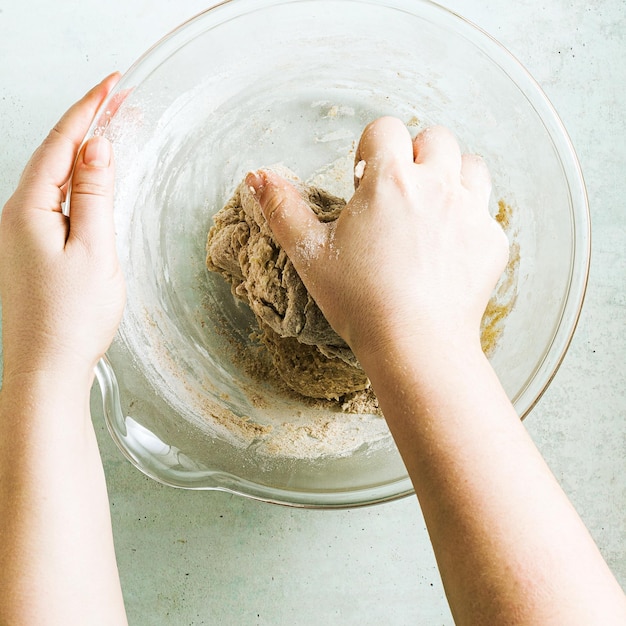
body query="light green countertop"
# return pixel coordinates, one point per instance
(210, 558)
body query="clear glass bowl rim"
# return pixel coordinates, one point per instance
(579, 274)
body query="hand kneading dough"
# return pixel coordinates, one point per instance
(307, 353)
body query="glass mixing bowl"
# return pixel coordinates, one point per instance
(250, 83)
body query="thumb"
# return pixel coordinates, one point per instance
(91, 201)
(292, 221)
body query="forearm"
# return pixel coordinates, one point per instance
(57, 562)
(417, 248)
(509, 545)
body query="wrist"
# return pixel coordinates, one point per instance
(49, 384)
(423, 349)
(416, 373)
(22, 359)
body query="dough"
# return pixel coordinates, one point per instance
(308, 371)
(308, 354)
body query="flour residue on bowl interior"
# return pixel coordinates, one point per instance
(505, 294)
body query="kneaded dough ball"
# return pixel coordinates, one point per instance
(307, 353)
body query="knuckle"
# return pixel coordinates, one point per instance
(91, 187)
(274, 205)
(56, 135)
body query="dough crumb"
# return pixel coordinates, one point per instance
(359, 169)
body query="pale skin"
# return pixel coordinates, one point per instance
(62, 298)
(404, 275)
(407, 292)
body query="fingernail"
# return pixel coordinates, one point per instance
(97, 152)
(256, 182)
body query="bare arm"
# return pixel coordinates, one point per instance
(62, 297)
(404, 276)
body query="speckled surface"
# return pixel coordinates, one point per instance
(210, 558)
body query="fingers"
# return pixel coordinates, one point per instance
(53, 160)
(437, 148)
(475, 176)
(294, 225)
(384, 141)
(116, 101)
(91, 216)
